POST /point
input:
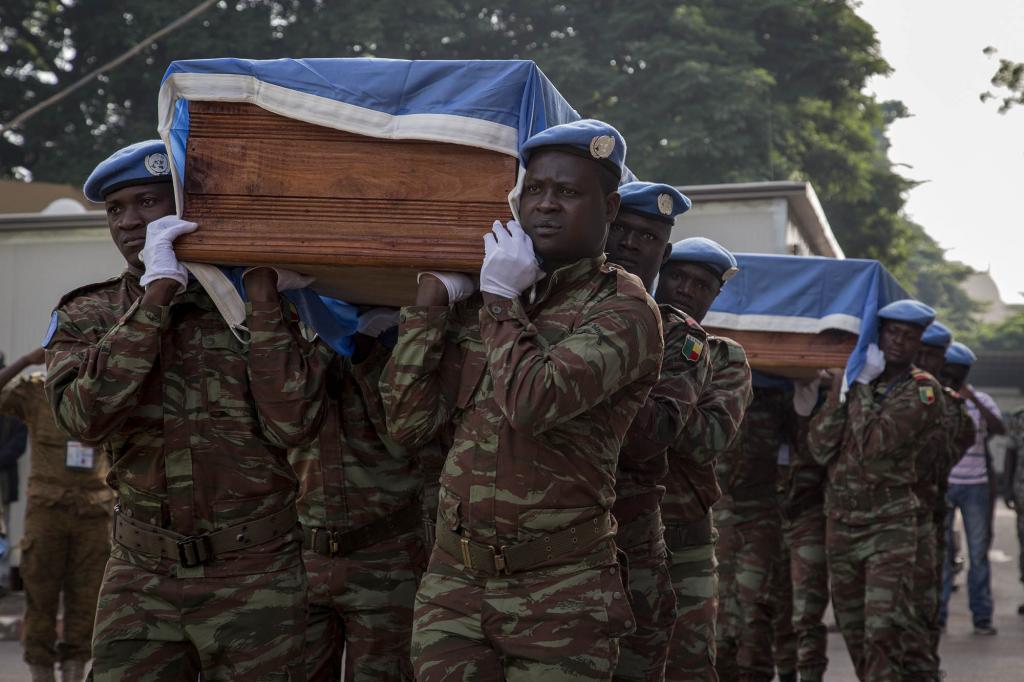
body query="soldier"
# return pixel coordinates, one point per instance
(360, 508)
(690, 282)
(206, 540)
(1014, 493)
(551, 364)
(639, 242)
(933, 465)
(969, 491)
(803, 526)
(870, 442)
(67, 530)
(750, 534)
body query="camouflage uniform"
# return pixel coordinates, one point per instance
(803, 527)
(359, 505)
(546, 387)
(691, 489)
(784, 641)
(67, 531)
(870, 445)
(934, 462)
(643, 463)
(197, 426)
(750, 537)
(1015, 431)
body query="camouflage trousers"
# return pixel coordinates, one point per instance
(784, 642)
(560, 623)
(152, 627)
(808, 569)
(361, 605)
(920, 661)
(939, 528)
(642, 654)
(61, 552)
(747, 554)
(872, 570)
(691, 655)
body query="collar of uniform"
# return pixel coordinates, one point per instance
(580, 271)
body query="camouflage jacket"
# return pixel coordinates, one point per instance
(870, 444)
(691, 485)
(943, 449)
(748, 470)
(538, 394)
(197, 424)
(1015, 432)
(54, 477)
(803, 481)
(353, 473)
(660, 423)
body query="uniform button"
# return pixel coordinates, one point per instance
(152, 521)
(611, 571)
(496, 309)
(628, 623)
(616, 595)
(129, 512)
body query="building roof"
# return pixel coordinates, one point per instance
(804, 207)
(34, 197)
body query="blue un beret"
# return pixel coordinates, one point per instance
(910, 311)
(141, 163)
(959, 354)
(653, 200)
(587, 137)
(938, 335)
(708, 253)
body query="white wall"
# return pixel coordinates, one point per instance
(754, 226)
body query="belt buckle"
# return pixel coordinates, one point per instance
(332, 543)
(195, 550)
(467, 558)
(500, 563)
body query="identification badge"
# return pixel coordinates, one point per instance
(692, 348)
(926, 394)
(79, 456)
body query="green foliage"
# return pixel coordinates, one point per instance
(1010, 78)
(1007, 335)
(705, 91)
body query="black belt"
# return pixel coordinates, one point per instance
(566, 545)
(754, 491)
(332, 543)
(693, 534)
(199, 550)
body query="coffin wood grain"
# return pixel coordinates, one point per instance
(793, 355)
(362, 214)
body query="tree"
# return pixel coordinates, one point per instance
(704, 91)
(1010, 77)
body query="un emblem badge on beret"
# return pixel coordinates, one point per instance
(157, 164)
(665, 204)
(602, 146)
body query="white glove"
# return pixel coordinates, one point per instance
(459, 286)
(158, 253)
(286, 279)
(376, 321)
(805, 396)
(873, 365)
(510, 266)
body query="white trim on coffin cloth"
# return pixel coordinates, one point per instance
(216, 87)
(782, 323)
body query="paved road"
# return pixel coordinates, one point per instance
(965, 657)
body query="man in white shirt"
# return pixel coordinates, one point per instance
(970, 493)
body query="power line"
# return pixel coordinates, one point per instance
(112, 64)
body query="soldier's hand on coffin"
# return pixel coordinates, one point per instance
(510, 265)
(805, 396)
(874, 365)
(158, 253)
(376, 321)
(443, 288)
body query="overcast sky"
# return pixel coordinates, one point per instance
(971, 156)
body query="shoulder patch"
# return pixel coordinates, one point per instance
(50, 330)
(926, 393)
(692, 348)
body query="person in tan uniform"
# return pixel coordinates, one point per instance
(67, 530)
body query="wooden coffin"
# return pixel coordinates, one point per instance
(790, 354)
(362, 214)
